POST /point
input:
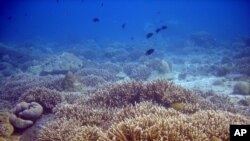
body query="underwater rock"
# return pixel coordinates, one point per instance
(24, 114)
(242, 88)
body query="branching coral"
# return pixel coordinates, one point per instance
(216, 123)
(85, 114)
(46, 97)
(92, 80)
(160, 91)
(144, 121)
(13, 87)
(105, 74)
(59, 130)
(152, 127)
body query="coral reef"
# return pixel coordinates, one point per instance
(46, 97)
(59, 129)
(137, 72)
(142, 121)
(24, 114)
(59, 64)
(159, 65)
(216, 123)
(92, 80)
(105, 74)
(13, 87)
(160, 91)
(84, 114)
(153, 127)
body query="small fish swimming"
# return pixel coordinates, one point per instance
(149, 51)
(149, 35)
(164, 27)
(158, 30)
(96, 20)
(123, 25)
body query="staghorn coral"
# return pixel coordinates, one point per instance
(143, 108)
(144, 121)
(153, 127)
(216, 123)
(105, 74)
(13, 87)
(85, 114)
(159, 91)
(46, 97)
(59, 130)
(89, 133)
(92, 80)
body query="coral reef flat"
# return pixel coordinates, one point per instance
(106, 95)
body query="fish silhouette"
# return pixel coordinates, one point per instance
(149, 35)
(96, 19)
(123, 25)
(150, 51)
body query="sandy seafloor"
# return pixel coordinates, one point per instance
(69, 77)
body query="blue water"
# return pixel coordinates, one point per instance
(66, 20)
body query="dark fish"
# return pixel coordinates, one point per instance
(149, 35)
(96, 19)
(10, 18)
(57, 1)
(102, 4)
(164, 27)
(149, 51)
(132, 38)
(123, 25)
(158, 30)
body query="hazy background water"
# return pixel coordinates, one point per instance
(66, 20)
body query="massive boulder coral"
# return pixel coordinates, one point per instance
(242, 88)
(24, 114)
(46, 97)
